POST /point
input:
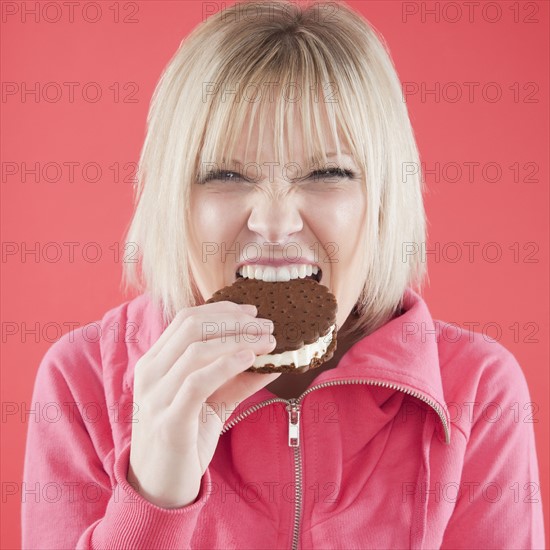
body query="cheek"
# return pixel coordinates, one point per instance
(213, 219)
(338, 219)
(214, 226)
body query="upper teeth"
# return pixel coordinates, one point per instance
(272, 274)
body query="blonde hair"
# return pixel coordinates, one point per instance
(324, 48)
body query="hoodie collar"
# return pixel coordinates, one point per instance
(403, 351)
(402, 354)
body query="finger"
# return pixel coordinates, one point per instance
(199, 354)
(179, 318)
(202, 383)
(225, 327)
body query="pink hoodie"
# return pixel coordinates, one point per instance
(420, 438)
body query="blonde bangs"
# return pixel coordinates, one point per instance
(307, 115)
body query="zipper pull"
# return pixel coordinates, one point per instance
(293, 409)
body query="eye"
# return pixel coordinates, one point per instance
(221, 175)
(317, 175)
(332, 173)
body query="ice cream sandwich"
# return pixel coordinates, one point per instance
(303, 312)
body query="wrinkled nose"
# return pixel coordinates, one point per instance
(275, 217)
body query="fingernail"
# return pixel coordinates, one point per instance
(245, 355)
(250, 309)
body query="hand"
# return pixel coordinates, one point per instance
(175, 382)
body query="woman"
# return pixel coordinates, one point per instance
(278, 125)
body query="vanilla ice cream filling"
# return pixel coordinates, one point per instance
(300, 357)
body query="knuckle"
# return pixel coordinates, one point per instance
(183, 312)
(192, 384)
(189, 322)
(227, 303)
(194, 349)
(181, 315)
(141, 364)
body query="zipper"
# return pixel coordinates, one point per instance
(293, 409)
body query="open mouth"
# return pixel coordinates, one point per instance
(270, 274)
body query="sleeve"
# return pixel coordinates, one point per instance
(70, 500)
(500, 500)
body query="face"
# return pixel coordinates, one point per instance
(276, 216)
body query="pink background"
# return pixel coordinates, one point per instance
(508, 49)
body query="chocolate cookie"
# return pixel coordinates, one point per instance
(303, 312)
